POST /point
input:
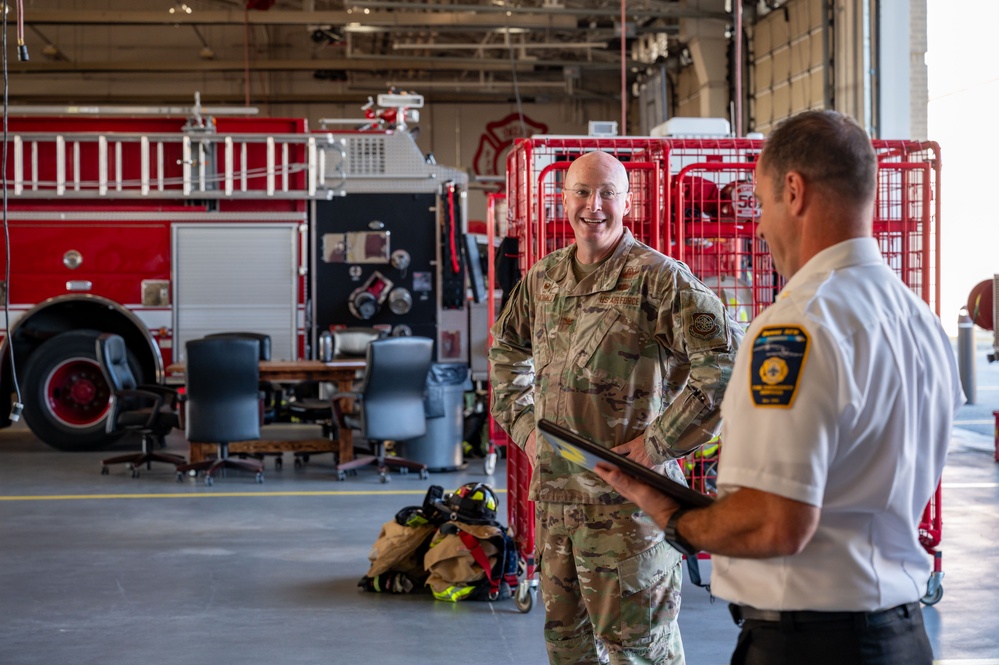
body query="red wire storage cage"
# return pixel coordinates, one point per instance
(693, 199)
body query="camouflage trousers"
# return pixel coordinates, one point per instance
(610, 585)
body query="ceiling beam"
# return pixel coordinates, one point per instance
(478, 20)
(661, 10)
(365, 63)
(258, 99)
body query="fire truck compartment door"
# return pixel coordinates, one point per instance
(231, 277)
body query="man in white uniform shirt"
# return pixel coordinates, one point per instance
(836, 426)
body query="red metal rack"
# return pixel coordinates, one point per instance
(693, 200)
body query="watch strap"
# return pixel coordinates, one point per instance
(674, 538)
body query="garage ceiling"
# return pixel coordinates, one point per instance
(304, 51)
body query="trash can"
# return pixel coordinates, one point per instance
(440, 448)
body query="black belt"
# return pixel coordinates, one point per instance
(743, 613)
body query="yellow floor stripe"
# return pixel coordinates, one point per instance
(210, 495)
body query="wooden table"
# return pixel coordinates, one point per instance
(342, 372)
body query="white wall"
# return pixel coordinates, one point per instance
(963, 98)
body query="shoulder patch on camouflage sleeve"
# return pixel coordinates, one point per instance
(703, 318)
(705, 325)
(779, 354)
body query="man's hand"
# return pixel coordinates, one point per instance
(656, 505)
(746, 523)
(635, 451)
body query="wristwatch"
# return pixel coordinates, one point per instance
(678, 542)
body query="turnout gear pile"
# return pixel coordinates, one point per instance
(452, 544)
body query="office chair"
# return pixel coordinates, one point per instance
(222, 403)
(347, 343)
(273, 393)
(389, 406)
(263, 339)
(147, 409)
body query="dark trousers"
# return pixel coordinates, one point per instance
(891, 637)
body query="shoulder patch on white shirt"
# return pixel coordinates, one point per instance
(779, 354)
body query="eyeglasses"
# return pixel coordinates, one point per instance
(584, 194)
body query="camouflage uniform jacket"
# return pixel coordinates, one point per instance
(639, 345)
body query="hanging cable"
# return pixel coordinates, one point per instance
(738, 69)
(455, 266)
(15, 412)
(624, 77)
(246, 55)
(22, 48)
(516, 87)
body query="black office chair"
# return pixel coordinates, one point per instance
(222, 403)
(389, 406)
(273, 395)
(263, 339)
(347, 343)
(148, 409)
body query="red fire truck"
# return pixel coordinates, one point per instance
(164, 227)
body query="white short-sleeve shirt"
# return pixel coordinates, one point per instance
(842, 397)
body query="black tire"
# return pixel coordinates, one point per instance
(65, 396)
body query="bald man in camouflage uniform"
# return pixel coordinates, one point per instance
(623, 345)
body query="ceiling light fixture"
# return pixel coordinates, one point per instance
(206, 52)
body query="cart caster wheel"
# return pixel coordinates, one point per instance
(524, 597)
(209, 480)
(934, 589)
(403, 471)
(341, 476)
(180, 476)
(105, 471)
(489, 464)
(933, 597)
(278, 463)
(298, 463)
(135, 472)
(386, 478)
(260, 479)
(424, 474)
(193, 473)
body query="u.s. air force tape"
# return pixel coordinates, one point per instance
(779, 354)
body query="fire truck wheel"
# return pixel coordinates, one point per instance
(65, 395)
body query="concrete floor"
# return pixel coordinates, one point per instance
(114, 570)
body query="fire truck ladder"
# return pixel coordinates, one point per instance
(171, 166)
